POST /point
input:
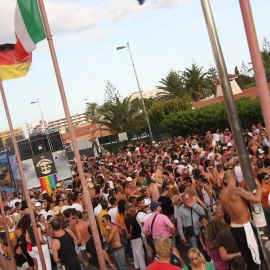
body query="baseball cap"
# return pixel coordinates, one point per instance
(129, 179)
(154, 205)
(37, 204)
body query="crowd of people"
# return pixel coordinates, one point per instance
(180, 203)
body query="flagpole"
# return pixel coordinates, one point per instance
(6, 231)
(87, 199)
(254, 50)
(24, 185)
(256, 208)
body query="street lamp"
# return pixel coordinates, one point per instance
(42, 117)
(140, 90)
(43, 123)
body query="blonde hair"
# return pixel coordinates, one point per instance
(163, 246)
(195, 251)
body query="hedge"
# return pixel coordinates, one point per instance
(212, 117)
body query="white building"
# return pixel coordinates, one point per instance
(146, 94)
(61, 124)
(235, 87)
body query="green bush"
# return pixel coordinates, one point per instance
(160, 109)
(211, 118)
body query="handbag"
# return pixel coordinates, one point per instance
(189, 231)
(149, 237)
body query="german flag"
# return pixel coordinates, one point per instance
(14, 61)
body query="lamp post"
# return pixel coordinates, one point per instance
(140, 90)
(43, 123)
(42, 117)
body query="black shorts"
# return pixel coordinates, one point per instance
(241, 240)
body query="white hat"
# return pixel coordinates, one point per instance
(176, 161)
(37, 204)
(260, 151)
(129, 179)
(229, 144)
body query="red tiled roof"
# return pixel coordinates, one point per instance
(90, 131)
(250, 93)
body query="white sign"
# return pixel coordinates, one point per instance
(122, 136)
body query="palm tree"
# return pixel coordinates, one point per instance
(196, 82)
(172, 86)
(121, 116)
(91, 111)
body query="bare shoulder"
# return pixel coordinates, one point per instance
(239, 191)
(55, 244)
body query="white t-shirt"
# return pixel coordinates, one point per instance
(141, 218)
(12, 202)
(112, 212)
(97, 209)
(238, 174)
(77, 206)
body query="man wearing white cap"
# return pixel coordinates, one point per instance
(39, 210)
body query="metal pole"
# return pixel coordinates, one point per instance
(86, 196)
(42, 117)
(24, 184)
(140, 91)
(256, 208)
(6, 231)
(254, 49)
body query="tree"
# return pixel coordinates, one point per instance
(121, 116)
(245, 77)
(8, 142)
(91, 111)
(111, 93)
(172, 86)
(197, 82)
(265, 53)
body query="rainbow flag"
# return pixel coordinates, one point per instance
(48, 183)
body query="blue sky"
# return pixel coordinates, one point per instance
(163, 35)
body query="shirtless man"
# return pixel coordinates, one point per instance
(113, 238)
(235, 203)
(81, 232)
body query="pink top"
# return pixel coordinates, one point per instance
(160, 227)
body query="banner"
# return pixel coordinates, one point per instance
(44, 164)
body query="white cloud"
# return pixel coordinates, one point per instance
(78, 16)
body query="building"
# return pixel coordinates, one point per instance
(251, 93)
(38, 127)
(5, 135)
(234, 85)
(146, 94)
(61, 124)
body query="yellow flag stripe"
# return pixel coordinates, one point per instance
(14, 71)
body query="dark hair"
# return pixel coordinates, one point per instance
(108, 217)
(203, 217)
(78, 214)
(112, 200)
(121, 207)
(73, 197)
(139, 199)
(57, 224)
(104, 204)
(238, 263)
